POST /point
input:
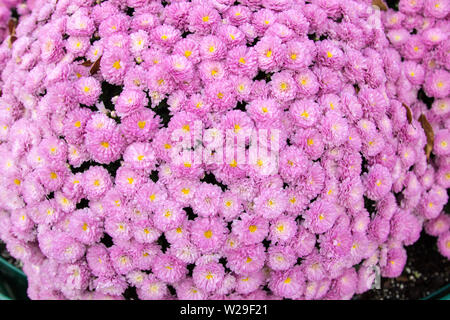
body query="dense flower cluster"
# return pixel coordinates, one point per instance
(418, 32)
(92, 94)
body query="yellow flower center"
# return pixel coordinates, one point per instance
(105, 144)
(208, 234)
(252, 228)
(53, 175)
(116, 65)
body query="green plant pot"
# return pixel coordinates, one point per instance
(441, 294)
(13, 282)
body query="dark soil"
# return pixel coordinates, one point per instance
(426, 271)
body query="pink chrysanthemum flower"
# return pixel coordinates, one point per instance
(321, 216)
(104, 145)
(97, 257)
(378, 182)
(96, 181)
(281, 257)
(208, 277)
(270, 53)
(168, 268)
(444, 244)
(187, 290)
(250, 229)
(288, 284)
(246, 260)
(152, 289)
(84, 227)
(208, 234)
(395, 262)
(270, 203)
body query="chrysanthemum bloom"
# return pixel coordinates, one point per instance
(270, 203)
(405, 227)
(168, 216)
(249, 283)
(281, 257)
(288, 284)
(321, 216)
(270, 53)
(442, 143)
(96, 181)
(208, 234)
(437, 84)
(84, 227)
(104, 145)
(395, 262)
(140, 125)
(113, 67)
(378, 182)
(444, 244)
(438, 226)
(283, 86)
(152, 289)
(209, 276)
(168, 268)
(187, 290)
(246, 259)
(97, 257)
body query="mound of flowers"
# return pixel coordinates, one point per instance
(219, 149)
